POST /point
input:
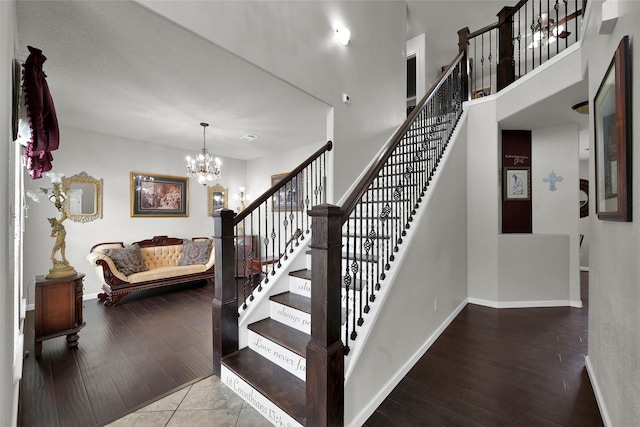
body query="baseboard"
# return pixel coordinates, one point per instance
(85, 297)
(597, 392)
(366, 412)
(525, 304)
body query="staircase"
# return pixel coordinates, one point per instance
(352, 249)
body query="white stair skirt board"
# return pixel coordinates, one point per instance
(598, 392)
(283, 357)
(290, 316)
(300, 286)
(264, 406)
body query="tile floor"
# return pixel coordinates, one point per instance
(205, 403)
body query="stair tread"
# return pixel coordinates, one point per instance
(292, 300)
(303, 274)
(281, 334)
(279, 386)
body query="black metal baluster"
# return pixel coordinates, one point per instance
(540, 32)
(346, 280)
(575, 20)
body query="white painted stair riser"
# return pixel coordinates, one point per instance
(300, 286)
(264, 406)
(290, 316)
(283, 357)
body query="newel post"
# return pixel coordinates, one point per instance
(506, 66)
(325, 351)
(225, 300)
(463, 46)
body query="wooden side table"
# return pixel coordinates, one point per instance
(58, 309)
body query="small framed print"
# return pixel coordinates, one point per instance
(289, 197)
(517, 184)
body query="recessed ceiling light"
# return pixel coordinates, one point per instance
(248, 137)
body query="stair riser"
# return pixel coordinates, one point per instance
(300, 286)
(285, 358)
(303, 287)
(260, 403)
(290, 316)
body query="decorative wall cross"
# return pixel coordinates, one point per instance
(552, 179)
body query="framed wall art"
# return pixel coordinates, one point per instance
(517, 184)
(612, 124)
(159, 195)
(289, 197)
(217, 197)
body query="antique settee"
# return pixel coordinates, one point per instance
(150, 263)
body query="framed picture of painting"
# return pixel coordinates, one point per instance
(159, 195)
(289, 197)
(612, 124)
(517, 184)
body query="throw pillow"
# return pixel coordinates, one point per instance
(127, 260)
(195, 252)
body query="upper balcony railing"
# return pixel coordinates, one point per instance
(525, 36)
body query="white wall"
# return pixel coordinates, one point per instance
(8, 294)
(432, 265)
(557, 212)
(295, 41)
(484, 193)
(112, 159)
(614, 270)
(554, 213)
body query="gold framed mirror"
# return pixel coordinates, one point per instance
(217, 197)
(83, 202)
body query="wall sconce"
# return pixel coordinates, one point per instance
(343, 35)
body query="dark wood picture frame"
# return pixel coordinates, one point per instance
(289, 197)
(517, 184)
(612, 124)
(159, 195)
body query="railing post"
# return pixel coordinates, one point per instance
(463, 46)
(325, 351)
(225, 300)
(506, 66)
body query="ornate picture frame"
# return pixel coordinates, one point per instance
(612, 125)
(217, 198)
(159, 195)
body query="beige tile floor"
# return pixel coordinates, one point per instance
(205, 403)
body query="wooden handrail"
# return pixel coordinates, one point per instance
(373, 171)
(273, 190)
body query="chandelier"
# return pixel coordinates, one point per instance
(546, 31)
(200, 166)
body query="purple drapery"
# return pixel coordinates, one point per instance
(45, 136)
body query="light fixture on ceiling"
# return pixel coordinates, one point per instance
(581, 107)
(200, 166)
(343, 35)
(546, 32)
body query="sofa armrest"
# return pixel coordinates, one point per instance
(106, 269)
(212, 257)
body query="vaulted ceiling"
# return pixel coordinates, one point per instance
(117, 68)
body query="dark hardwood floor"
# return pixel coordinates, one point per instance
(157, 341)
(520, 367)
(508, 367)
